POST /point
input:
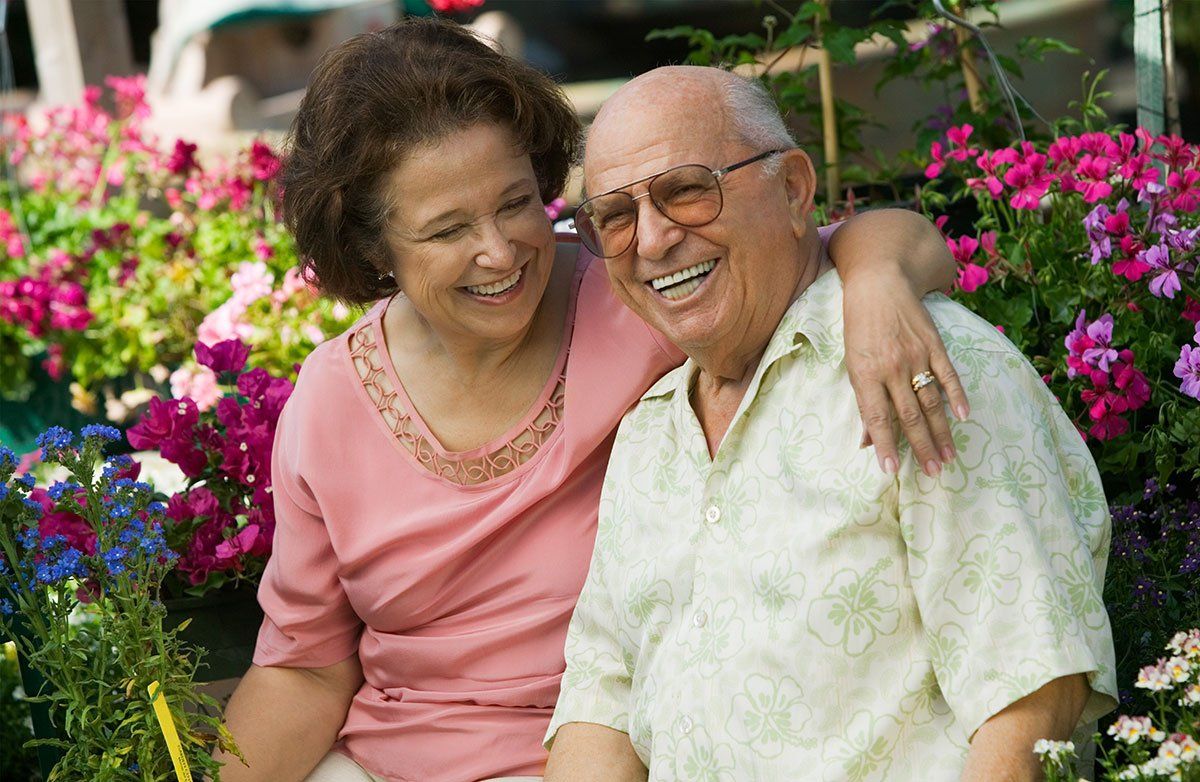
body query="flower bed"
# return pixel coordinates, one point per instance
(117, 256)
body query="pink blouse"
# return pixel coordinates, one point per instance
(452, 575)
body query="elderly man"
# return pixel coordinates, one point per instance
(764, 602)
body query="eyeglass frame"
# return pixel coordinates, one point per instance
(717, 175)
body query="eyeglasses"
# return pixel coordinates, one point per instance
(688, 195)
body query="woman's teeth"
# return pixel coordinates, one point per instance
(496, 288)
(682, 283)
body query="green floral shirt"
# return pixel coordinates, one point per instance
(788, 611)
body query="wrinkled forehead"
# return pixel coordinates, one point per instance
(643, 134)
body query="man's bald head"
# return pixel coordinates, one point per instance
(713, 103)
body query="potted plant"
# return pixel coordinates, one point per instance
(221, 525)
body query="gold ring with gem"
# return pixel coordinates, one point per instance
(921, 379)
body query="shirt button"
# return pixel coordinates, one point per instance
(685, 725)
(700, 619)
(713, 514)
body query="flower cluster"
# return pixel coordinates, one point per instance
(1117, 387)
(1140, 749)
(1152, 573)
(974, 268)
(116, 251)
(1187, 368)
(81, 566)
(222, 524)
(256, 313)
(1101, 222)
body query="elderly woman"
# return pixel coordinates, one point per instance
(438, 469)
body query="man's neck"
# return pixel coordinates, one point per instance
(735, 362)
(725, 374)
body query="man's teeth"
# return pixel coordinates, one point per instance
(682, 283)
(683, 289)
(496, 287)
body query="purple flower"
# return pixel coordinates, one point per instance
(1102, 353)
(1166, 281)
(1182, 241)
(1099, 238)
(1148, 593)
(227, 356)
(1151, 190)
(1187, 369)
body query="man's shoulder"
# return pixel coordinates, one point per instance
(963, 330)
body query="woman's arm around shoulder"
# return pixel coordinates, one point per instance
(888, 259)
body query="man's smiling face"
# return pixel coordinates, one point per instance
(706, 285)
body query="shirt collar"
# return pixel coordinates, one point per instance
(814, 318)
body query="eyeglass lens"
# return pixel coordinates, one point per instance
(687, 195)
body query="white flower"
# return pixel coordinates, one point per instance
(1132, 729)
(1154, 678)
(1183, 747)
(1178, 669)
(1163, 767)
(1186, 644)
(1191, 695)
(1054, 750)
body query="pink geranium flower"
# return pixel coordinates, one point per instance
(971, 277)
(1031, 180)
(934, 169)
(990, 163)
(1191, 310)
(1186, 193)
(1091, 178)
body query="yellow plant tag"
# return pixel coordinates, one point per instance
(183, 772)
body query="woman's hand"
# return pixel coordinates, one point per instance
(890, 338)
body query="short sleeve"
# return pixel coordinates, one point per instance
(308, 622)
(1007, 547)
(596, 686)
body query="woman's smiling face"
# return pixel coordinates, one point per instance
(471, 245)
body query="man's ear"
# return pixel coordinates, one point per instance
(800, 185)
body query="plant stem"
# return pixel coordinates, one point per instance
(833, 183)
(970, 76)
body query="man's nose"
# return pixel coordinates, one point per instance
(656, 233)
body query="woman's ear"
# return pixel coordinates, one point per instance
(800, 184)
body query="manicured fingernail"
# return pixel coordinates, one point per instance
(962, 412)
(932, 468)
(948, 453)
(890, 466)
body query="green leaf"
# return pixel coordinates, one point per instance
(840, 42)
(795, 35)
(671, 33)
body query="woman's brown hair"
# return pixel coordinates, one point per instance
(374, 98)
